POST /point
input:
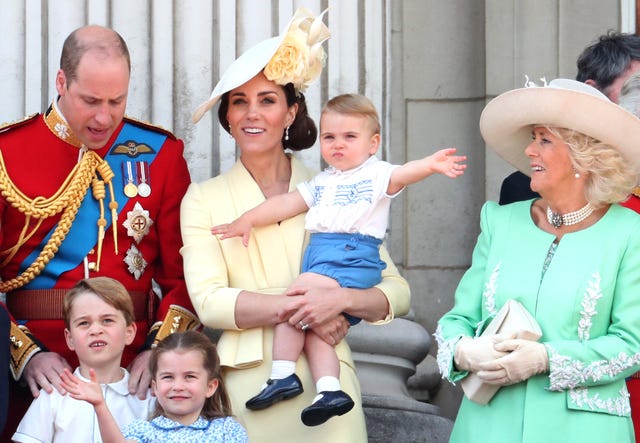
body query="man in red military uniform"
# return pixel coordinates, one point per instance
(87, 192)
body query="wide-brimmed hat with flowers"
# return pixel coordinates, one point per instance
(507, 120)
(296, 56)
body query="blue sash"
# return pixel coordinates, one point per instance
(83, 235)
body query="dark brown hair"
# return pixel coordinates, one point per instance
(302, 132)
(216, 406)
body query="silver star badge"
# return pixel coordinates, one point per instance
(135, 262)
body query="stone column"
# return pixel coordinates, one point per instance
(386, 356)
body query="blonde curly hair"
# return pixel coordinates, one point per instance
(610, 177)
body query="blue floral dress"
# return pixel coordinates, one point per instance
(162, 429)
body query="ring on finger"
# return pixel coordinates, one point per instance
(303, 325)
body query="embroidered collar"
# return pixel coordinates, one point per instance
(121, 386)
(370, 160)
(57, 124)
(167, 424)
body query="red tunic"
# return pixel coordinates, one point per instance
(38, 161)
(633, 383)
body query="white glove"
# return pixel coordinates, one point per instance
(470, 352)
(525, 359)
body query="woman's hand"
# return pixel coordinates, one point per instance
(333, 331)
(470, 352)
(317, 306)
(523, 359)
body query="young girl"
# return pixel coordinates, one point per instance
(192, 402)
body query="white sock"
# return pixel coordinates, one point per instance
(326, 383)
(281, 369)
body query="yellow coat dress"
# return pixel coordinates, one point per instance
(217, 271)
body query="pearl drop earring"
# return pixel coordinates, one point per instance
(286, 133)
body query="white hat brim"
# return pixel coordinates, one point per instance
(507, 120)
(243, 69)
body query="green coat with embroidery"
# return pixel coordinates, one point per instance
(588, 306)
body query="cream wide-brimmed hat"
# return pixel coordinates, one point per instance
(507, 120)
(296, 56)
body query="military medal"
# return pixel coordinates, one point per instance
(135, 262)
(144, 190)
(130, 189)
(143, 174)
(138, 222)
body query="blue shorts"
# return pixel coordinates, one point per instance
(353, 260)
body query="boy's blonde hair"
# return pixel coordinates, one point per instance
(357, 105)
(111, 291)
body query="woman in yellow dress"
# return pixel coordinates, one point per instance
(241, 290)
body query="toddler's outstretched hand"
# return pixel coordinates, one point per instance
(446, 163)
(237, 228)
(90, 392)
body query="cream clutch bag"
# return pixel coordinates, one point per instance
(512, 318)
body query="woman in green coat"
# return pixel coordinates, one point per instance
(571, 258)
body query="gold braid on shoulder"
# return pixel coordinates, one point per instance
(66, 200)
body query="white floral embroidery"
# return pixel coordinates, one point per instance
(445, 352)
(567, 373)
(618, 406)
(62, 131)
(490, 291)
(591, 297)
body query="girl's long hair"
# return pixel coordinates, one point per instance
(216, 406)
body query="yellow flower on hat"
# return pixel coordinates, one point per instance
(300, 57)
(296, 56)
(289, 64)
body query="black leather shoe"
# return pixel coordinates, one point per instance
(331, 404)
(275, 391)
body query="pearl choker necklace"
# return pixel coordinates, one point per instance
(571, 218)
